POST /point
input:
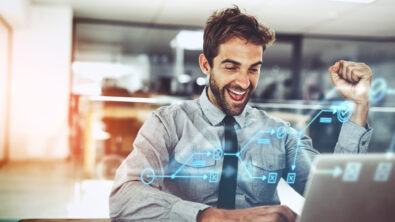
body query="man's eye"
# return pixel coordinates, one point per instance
(253, 70)
(231, 68)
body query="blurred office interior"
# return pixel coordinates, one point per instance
(78, 79)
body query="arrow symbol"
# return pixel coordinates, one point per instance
(337, 171)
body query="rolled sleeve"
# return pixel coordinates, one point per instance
(183, 210)
(353, 138)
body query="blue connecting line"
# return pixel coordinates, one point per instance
(316, 116)
(300, 133)
(265, 141)
(183, 165)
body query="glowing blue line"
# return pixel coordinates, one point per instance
(316, 116)
(190, 176)
(245, 167)
(183, 165)
(230, 154)
(159, 176)
(296, 153)
(250, 141)
(173, 176)
(301, 132)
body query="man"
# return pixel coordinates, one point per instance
(209, 159)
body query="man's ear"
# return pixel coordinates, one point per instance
(204, 65)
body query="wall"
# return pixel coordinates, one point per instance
(4, 63)
(40, 84)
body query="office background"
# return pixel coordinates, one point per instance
(78, 79)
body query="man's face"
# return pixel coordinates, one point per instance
(234, 75)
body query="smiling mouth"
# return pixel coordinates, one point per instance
(237, 95)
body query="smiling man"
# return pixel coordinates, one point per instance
(210, 159)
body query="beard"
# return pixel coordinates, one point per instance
(219, 94)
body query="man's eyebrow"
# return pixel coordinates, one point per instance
(230, 61)
(257, 63)
(238, 63)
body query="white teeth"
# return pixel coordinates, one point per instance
(236, 92)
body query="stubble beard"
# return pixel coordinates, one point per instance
(219, 94)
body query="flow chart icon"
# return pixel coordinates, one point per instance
(352, 171)
(213, 177)
(272, 178)
(291, 178)
(383, 172)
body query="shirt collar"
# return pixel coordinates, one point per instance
(215, 115)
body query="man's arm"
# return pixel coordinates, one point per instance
(352, 80)
(130, 199)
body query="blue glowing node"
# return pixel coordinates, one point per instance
(147, 176)
(351, 173)
(281, 132)
(344, 112)
(378, 90)
(213, 177)
(272, 178)
(383, 172)
(218, 154)
(291, 178)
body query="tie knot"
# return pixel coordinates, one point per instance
(229, 120)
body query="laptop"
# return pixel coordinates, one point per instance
(350, 187)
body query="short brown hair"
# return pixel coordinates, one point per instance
(229, 23)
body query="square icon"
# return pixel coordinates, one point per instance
(383, 172)
(351, 173)
(291, 178)
(213, 177)
(272, 178)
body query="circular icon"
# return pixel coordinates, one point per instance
(147, 176)
(344, 112)
(378, 90)
(281, 132)
(218, 154)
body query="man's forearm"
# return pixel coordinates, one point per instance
(360, 114)
(136, 201)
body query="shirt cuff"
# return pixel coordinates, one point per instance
(183, 210)
(353, 138)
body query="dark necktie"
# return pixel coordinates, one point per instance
(228, 182)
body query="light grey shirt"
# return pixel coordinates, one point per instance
(174, 169)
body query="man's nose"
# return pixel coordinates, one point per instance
(243, 80)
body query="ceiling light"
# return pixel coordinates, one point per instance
(190, 40)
